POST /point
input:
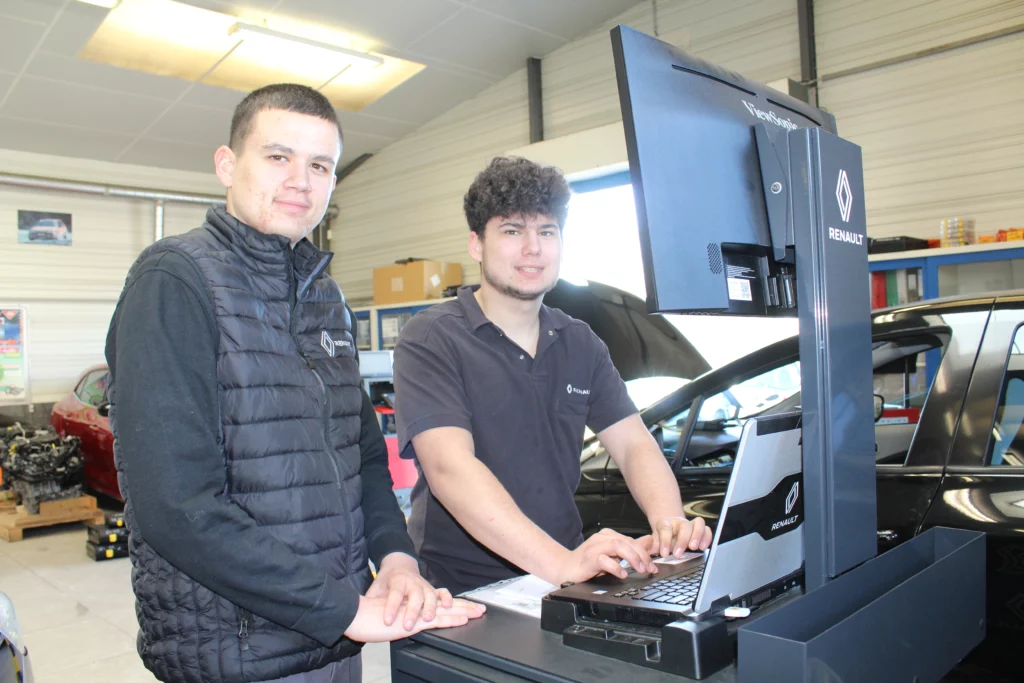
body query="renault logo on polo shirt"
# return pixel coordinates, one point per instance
(329, 344)
(570, 389)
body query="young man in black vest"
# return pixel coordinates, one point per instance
(253, 469)
(493, 392)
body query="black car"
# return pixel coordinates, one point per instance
(950, 442)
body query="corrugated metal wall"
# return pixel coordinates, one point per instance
(70, 292)
(943, 135)
(407, 200)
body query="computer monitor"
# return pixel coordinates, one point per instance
(692, 140)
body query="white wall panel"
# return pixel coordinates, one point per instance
(70, 291)
(941, 135)
(407, 200)
(854, 33)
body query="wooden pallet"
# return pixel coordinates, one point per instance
(81, 509)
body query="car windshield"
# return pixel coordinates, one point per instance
(754, 396)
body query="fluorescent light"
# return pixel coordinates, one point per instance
(247, 31)
(109, 4)
(183, 41)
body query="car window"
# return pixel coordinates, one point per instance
(80, 387)
(904, 369)
(1006, 445)
(94, 390)
(721, 416)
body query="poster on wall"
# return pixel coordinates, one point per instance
(13, 356)
(44, 227)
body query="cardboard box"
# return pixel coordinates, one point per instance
(414, 281)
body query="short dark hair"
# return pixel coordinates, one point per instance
(512, 186)
(287, 96)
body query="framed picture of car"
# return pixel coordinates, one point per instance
(44, 227)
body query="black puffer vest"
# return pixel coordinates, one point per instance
(289, 402)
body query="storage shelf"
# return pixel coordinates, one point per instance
(376, 316)
(957, 275)
(948, 251)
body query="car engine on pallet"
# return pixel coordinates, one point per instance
(39, 465)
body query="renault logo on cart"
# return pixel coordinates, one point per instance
(794, 493)
(844, 195)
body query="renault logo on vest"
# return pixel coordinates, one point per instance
(329, 344)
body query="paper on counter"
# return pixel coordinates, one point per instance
(677, 560)
(522, 594)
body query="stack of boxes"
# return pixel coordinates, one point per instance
(108, 540)
(957, 232)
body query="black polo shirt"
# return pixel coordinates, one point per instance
(455, 368)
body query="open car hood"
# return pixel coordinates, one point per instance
(641, 344)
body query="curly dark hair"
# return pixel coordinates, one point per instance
(300, 99)
(512, 186)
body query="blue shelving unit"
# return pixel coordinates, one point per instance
(377, 314)
(363, 315)
(930, 260)
(397, 310)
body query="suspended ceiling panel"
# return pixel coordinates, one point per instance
(54, 101)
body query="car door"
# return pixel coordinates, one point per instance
(702, 464)
(925, 382)
(983, 488)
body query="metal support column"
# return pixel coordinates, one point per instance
(808, 52)
(535, 98)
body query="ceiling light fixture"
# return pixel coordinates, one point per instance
(109, 4)
(245, 31)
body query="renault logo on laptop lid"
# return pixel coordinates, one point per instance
(794, 493)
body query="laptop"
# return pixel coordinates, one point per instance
(757, 552)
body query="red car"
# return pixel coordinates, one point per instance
(83, 413)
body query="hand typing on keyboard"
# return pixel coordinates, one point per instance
(678, 590)
(676, 535)
(602, 553)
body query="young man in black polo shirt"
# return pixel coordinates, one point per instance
(494, 391)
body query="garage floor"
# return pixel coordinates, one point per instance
(78, 616)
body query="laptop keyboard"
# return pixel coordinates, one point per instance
(680, 589)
